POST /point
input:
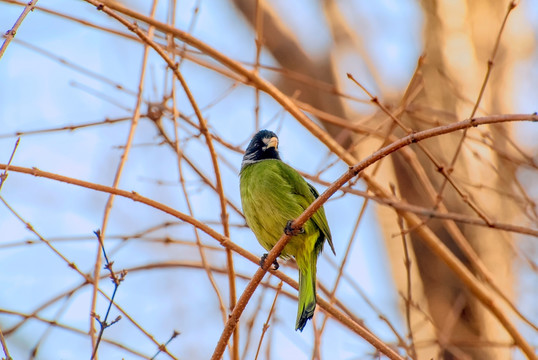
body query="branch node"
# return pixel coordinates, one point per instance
(473, 122)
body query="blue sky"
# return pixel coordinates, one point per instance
(37, 92)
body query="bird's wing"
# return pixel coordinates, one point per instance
(309, 194)
(321, 220)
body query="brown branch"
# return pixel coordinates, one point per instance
(203, 128)
(74, 330)
(438, 165)
(117, 177)
(266, 324)
(193, 166)
(220, 191)
(116, 280)
(66, 127)
(30, 228)
(408, 297)
(72, 265)
(437, 246)
(359, 329)
(255, 80)
(10, 34)
(511, 6)
(189, 208)
(428, 212)
(4, 346)
(3, 176)
(428, 236)
(451, 227)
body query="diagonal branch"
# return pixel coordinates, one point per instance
(10, 34)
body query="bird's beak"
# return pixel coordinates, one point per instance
(273, 142)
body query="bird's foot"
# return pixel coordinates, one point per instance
(290, 230)
(262, 262)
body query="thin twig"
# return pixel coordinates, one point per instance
(204, 130)
(66, 127)
(119, 171)
(4, 346)
(10, 34)
(87, 278)
(61, 311)
(408, 298)
(163, 346)
(116, 280)
(511, 6)
(74, 330)
(189, 208)
(428, 212)
(266, 324)
(29, 226)
(451, 227)
(438, 247)
(428, 236)
(3, 176)
(249, 323)
(438, 165)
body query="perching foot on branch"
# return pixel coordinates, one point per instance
(290, 230)
(262, 262)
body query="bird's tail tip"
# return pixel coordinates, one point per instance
(306, 314)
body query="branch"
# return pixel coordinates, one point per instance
(4, 346)
(428, 236)
(116, 279)
(437, 246)
(3, 176)
(10, 34)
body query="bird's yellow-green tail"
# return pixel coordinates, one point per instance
(307, 290)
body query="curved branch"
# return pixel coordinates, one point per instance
(431, 239)
(435, 244)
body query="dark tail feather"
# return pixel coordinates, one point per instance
(307, 293)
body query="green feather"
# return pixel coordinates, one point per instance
(273, 193)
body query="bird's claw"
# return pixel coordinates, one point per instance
(290, 230)
(262, 262)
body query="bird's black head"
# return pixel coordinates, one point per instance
(264, 145)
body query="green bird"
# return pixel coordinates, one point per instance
(272, 195)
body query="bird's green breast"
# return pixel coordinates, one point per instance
(272, 193)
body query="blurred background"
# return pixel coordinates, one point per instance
(91, 101)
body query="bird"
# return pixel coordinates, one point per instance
(273, 194)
